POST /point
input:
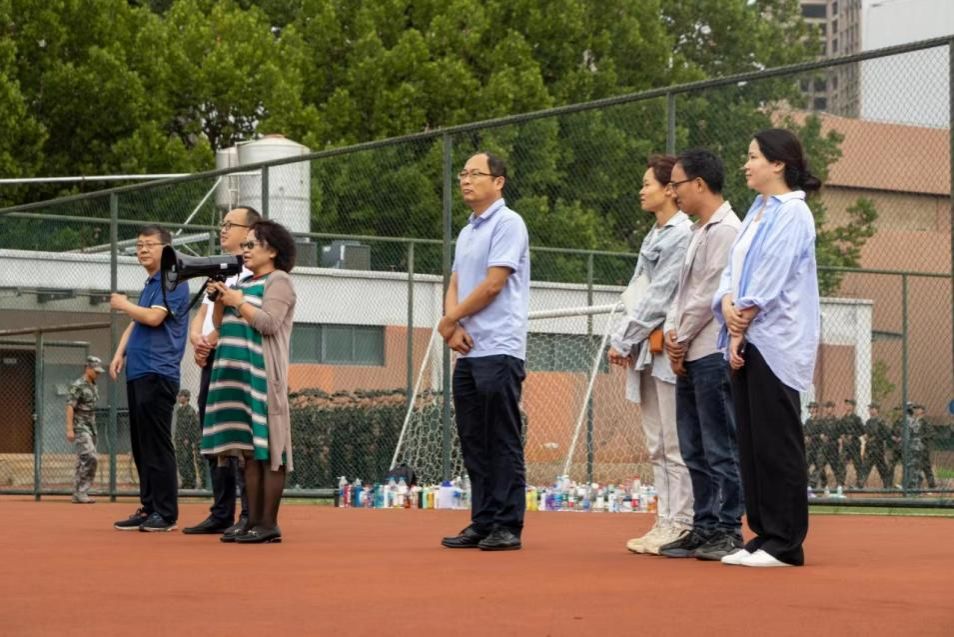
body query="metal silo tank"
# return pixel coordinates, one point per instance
(289, 188)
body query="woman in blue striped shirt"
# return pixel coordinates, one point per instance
(768, 306)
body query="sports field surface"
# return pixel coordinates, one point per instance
(343, 572)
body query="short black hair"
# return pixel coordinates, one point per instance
(277, 237)
(252, 216)
(154, 229)
(702, 163)
(498, 168)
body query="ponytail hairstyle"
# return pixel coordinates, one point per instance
(779, 144)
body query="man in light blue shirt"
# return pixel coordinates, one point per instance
(485, 321)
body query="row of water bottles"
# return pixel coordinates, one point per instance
(566, 495)
(397, 494)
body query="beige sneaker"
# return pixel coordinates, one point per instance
(82, 498)
(670, 534)
(638, 544)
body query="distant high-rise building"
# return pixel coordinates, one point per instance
(835, 90)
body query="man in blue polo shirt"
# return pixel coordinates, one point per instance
(152, 346)
(485, 321)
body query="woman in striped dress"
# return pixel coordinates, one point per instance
(247, 411)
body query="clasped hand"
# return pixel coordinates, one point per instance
(455, 336)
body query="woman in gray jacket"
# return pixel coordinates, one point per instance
(247, 413)
(651, 381)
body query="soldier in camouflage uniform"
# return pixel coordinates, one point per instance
(829, 426)
(877, 444)
(895, 453)
(852, 428)
(812, 445)
(81, 428)
(922, 438)
(187, 439)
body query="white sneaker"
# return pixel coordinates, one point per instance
(638, 544)
(669, 534)
(735, 558)
(761, 559)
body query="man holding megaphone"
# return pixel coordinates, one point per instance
(151, 350)
(204, 338)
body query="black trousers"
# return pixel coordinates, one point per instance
(151, 400)
(225, 479)
(487, 410)
(771, 459)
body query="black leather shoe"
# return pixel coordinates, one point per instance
(208, 526)
(237, 529)
(258, 535)
(500, 539)
(469, 538)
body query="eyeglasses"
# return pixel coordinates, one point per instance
(225, 226)
(150, 245)
(673, 184)
(248, 245)
(473, 174)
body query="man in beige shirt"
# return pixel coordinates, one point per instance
(704, 419)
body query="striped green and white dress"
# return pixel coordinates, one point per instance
(236, 413)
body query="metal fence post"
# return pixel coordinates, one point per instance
(112, 428)
(38, 417)
(671, 123)
(950, 156)
(589, 403)
(265, 192)
(410, 322)
(906, 423)
(446, 270)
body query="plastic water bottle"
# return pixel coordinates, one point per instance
(401, 494)
(356, 493)
(342, 492)
(390, 493)
(445, 495)
(466, 494)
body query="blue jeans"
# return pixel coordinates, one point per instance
(706, 427)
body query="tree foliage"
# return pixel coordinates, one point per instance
(107, 86)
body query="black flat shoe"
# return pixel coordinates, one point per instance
(208, 526)
(260, 536)
(237, 529)
(500, 539)
(469, 538)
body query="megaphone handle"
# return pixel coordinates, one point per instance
(199, 294)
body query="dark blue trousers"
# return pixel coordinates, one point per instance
(487, 410)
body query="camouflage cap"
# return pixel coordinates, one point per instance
(96, 363)
(185, 392)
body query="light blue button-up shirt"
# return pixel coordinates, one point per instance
(496, 238)
(779, 276)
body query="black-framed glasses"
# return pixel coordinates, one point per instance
(225, 226)
(473, 174)
(248, 245)
(673, 184)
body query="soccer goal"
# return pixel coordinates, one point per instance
(576, 418)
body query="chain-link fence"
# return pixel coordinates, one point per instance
(375, 226)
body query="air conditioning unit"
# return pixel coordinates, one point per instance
(346, 255)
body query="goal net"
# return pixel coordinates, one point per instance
(576, 419)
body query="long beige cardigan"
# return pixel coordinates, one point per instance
(274, 321)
